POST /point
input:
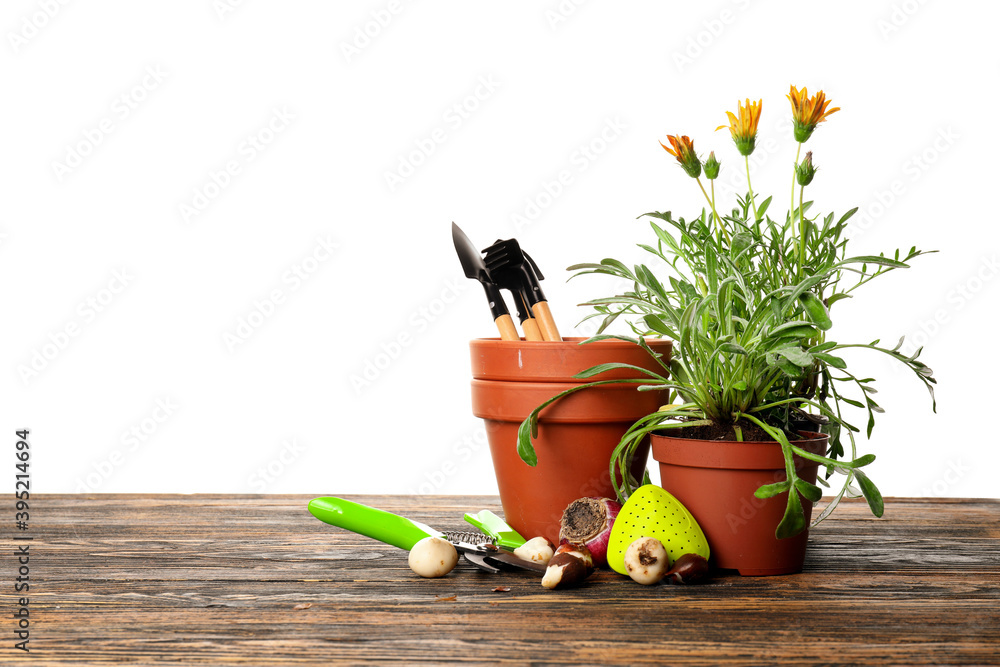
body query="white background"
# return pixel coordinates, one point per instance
(914, 146)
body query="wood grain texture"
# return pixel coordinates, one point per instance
(213, 579)
(505, 325)
(546, 323)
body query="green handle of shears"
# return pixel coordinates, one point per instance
(492, 525)
(371, 522)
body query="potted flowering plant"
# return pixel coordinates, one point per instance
(759, 389)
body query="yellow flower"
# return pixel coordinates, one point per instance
(744, 126)
(808, 112)
(683, 150)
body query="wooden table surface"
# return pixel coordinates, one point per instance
(256, 580)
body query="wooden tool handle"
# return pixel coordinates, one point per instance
(506, 327)
(545, 322)
(529, 325)
(531, 330)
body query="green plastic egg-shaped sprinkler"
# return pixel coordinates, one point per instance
(653, 512)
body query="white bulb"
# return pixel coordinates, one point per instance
(433, 557)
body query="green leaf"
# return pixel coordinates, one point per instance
(873, 259)
(816, 310)
(771, 490)
(649, 280)
(809, 491)
(656, 324)
(740, 242)
(863, 461)
(832, 428)
(524, 447)
(608, 320)
(776, 308)
(794, 521)
(609, 261)
(688, 324)
(650, 249)
(822, 347)
(732, 348)
(796, 355)
(837, 297)
(847, 215)
(585, 265)
(787, 367)
(797, 329)
(871, 493)
(602, 368)
(836, 362)
(712, 269)
(762, 209)
(803, 287)
(740, 385)
(688, 290)
(660, 232)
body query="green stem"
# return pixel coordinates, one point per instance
(802, 231)
(711, 203)
(791, 207)
(711, 184)
(750, 187)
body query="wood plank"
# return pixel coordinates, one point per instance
(215, 579)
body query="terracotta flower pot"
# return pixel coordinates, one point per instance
(576, 435)
(716, 481)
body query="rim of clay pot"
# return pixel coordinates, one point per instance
(513, 401)
(532, 361)
(731, 454)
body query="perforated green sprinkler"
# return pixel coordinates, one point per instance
(653, 512)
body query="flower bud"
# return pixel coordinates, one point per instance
(804, 171)
(682, 148)
(711, 167)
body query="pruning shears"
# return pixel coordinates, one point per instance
(490, 551)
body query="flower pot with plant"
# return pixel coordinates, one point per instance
(759, 388)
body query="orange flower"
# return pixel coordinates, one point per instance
(744, 127)
(808, 112)
(683, 150)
